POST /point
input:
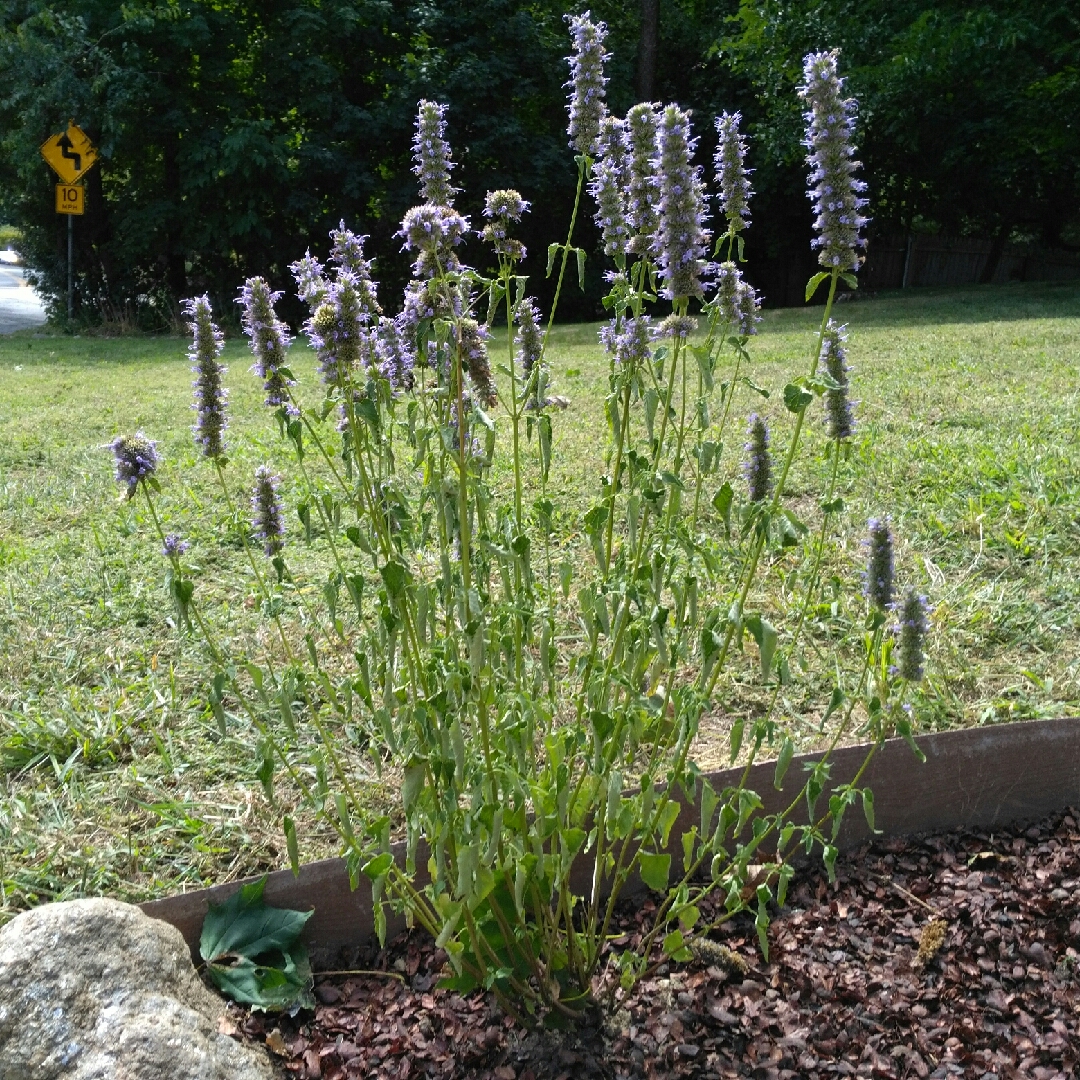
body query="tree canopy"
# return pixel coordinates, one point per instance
(234, 134)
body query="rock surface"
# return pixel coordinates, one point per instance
(96, 990)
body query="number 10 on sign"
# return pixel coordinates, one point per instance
(70, 199)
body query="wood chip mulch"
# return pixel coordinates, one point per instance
(954, 955)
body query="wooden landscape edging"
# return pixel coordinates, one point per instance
(976, 777)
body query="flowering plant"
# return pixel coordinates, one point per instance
(540, 712)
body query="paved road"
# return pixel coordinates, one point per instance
(19, 304)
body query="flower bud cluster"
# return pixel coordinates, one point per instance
(681, 239)
(608, 186)
(432, 232)
(431, 155)
(880, 568)
(210, 396)
(835, 192)
(504, 208)
(839, 412)
(643, 183)
(267, 516)
(136, 459)
(913, 624)
(758, 465)
(472, 340)
(732, 176)
(587, 81)
(737, 301)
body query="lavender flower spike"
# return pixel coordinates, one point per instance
(136, 460)
(839, 415)
(836, 194)
(504, 208)
(337, 331)
(680, 242)
(737, 301)
(472, 340)
(642, 182)
(608, 187)
(348, 254)
(913, 625)
(433, 232)
(269, 339)
(758, 466)
(174, 547)
(266, 511)
(529, 340)
(586, 85)
(210, 396)
(878, 582)
(431, 155)
(732, 178)
(311, 283)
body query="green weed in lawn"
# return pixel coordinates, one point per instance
(115, 777)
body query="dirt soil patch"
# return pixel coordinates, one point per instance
(949, 955)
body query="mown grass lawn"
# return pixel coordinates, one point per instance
(113, 775)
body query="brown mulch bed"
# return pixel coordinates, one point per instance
(845, 992)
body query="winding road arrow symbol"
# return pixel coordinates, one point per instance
(67, 151)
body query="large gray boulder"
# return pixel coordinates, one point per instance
(96, 990)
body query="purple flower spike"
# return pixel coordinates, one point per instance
(431, 155)
(758, 466)
(136, 460)
(393, 354)
(311, 282)
(269, 339)
(839, 414)
(642, 183)
(472, 340)
(433, 232)
(681, 239)
(210, 396)
(174, 547)
(913, 624)
(878, 581)
(529, 340)
(504, 208)
(266, 511)
(348, 254)
(337, 331)
(732, 177)
(835, 193)
(738, 303)
(608, 187)
(587, 82)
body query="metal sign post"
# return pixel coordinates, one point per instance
(70, 154)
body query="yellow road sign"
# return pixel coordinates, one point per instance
(69, 154)
(70, 199)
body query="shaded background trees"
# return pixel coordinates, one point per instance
(236, 133)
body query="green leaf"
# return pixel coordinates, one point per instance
(291, 844)
(722, 501)
(868, 807)
(581, 267)
(668, 816)
(903, 725)
(673, 943)
(553, 250)
(266, 986)
(244, 925)
(377, 867)
(811, 285)
(796, 398)
(709, 799)
(850, 280)
(787, 752)
(655, 870)
(764, 633)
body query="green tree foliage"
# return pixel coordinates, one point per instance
(235, 133)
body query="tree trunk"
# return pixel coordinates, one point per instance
(993, 260)
(647, 49)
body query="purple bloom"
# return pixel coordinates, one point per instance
(679, 244)
(677, 326)
(472, 341)
(587, 82)
(504, 208)
(642, 184)
(839, 415)
(433, 232)
(913, 624)
(267, 516)
(732, 178)
(878, 579)
(631, 345)
(393, 354)
(269, 338)
(758, 465)
(174, 547)
(736, 300)
(834, 191)
(136, 460)
(431, 155)
(529, 340)
(210, 395)
(311, 282)
(608, 186)
(337, 331)
(348, 254)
